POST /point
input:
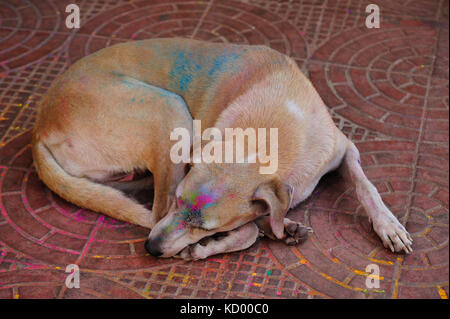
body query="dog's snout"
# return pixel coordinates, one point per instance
(153, 248)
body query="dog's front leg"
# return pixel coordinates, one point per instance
(234, 240)
(385, 224)
(166, 178)
(294, 232)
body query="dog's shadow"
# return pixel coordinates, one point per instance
(142, 195)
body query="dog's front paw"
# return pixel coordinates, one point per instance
(193, 252)
(295, 232)
(184, 254)
(199, 252)
(392, 234)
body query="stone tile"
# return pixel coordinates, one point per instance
(386, 89)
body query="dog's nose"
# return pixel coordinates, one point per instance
(153, 248)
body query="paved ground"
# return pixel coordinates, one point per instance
(386, 88)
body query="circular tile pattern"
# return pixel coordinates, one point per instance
(51, 232)
(8, 15)
(28, 32)
(417, 8)
(40, 231)
(377, 79)
(48, 283)
(237, 22)
(145, 19)
(39, 224)
(343, 244)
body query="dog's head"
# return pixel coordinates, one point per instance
(215, 198)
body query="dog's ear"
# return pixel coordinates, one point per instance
(277, 197)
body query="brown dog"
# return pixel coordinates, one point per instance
(114, 110)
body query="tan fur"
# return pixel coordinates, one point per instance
(113, 111)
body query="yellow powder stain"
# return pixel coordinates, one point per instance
(342, 284)
(337, 261)
(383, 262)
(395, 292)
(186, 280)
(305, 262)
(363, 273)
(442, 293)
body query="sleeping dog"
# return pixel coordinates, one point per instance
(113, 112)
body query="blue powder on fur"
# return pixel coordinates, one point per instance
(183, 70)
(222, 63)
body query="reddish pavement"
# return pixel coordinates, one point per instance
(386, 88)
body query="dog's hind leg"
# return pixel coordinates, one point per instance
(86, 193)
(237, 239)
(385, 224)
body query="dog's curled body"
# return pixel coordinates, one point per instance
(111, 94)
(113, 111)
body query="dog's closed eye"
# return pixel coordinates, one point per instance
(200, 221)
(193, 217)
(198, 224)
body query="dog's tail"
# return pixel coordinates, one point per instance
(86, 193)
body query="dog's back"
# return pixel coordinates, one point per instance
(208, 76)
